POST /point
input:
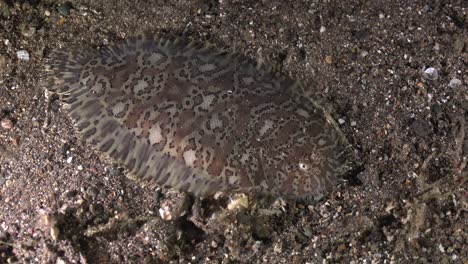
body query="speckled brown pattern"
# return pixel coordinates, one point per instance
(198, 119)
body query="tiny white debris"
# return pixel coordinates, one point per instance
(381, 16)
(257, 245)
(322, 29)
(364, 53)
(239, 202)
(69, 159)
(278, 247)
(80, 167)
(22, 55)
(47, 13)
(165, 213)
(431, 74)
(341, 121)
(429, 97)
(54, 232)
(455, 83)
(353, 123)
(441, 248)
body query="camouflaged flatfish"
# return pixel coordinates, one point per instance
(198, 119)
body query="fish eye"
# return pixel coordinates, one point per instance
(303, 166)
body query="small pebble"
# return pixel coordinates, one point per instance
(261, 230)
(49, 167)
(441, 248)
(322, 29)
(4, 10)
(22, 55)
(421, 128)
(455, 83)
(307, 231)
(92, 192)
(47, 220)
(6, 123)
(27, 30)
(328, 59)
(214, 244)
(238, 203)
(341, 121)
(47, 13)
(364, 53)
(278, 247)
(114, 171)
(165, 213)
(353, 123)
(64, 9)
(4, 236)
(2, 63)
(35, 123)
(459, 43)
(80, 167)
(71, 193)
(8, 183)
(431, 74)
(61, 21)
(54, 232)
(69, 159)
(64, 149)
(257, 245)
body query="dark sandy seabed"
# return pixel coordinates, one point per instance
(368, 61)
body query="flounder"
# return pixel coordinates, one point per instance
(198, 119)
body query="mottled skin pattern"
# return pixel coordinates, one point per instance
(197, 119)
